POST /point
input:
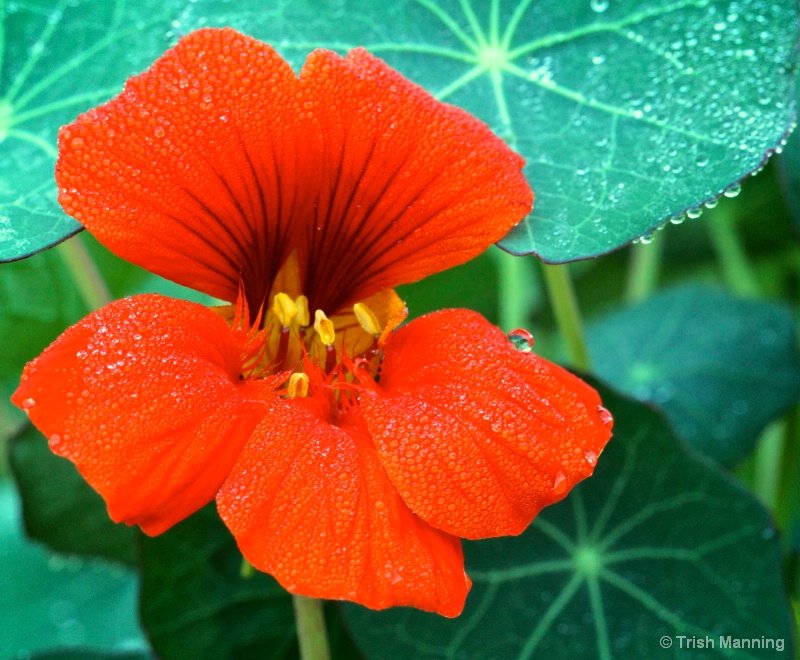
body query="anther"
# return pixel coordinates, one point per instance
(324, 327)
(303, 317)
(367, 319)
(284, 308)
(298, 386)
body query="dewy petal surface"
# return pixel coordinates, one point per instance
(144, 397)
(409, 185)
(309, 503)
(219, 162)
(477, 436)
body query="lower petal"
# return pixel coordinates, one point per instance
(144, 397)
(309, 503)
(477, 436)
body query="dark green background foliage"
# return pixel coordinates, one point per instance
(630, 114)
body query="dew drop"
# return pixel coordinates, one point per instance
(732, 191)
(694, 213)
(606, 417)
(55, 439)
(521, 339)
(77, 143)
(28, 403)
(591, 458)
(159, 132)
(599, 6)
(702, 160)
(559, 483)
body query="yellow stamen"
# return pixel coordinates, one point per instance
(284, 308)
(303, 316)
(298, 385)
(367, 319)
(324, 327)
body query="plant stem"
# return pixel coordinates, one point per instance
(311, 633)
(787, 506)
(82, 268)
(644, 267)
(736, 269)
(568, 316)
(767, 465)
(515, 282)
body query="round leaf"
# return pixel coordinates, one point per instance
(720, 367)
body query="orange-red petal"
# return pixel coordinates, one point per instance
(309, 503)
(408, 185)
(192, 172)
(477, 436)
(144, 397)
(219, 161)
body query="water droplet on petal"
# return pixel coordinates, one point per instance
(606, 417)
(28, 403)
(559, 483)
(591, 458)
(54, 439)
(521, 339)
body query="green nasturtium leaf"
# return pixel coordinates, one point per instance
(57, 59)
(657, 544)
(50, 601)
(721, 368)
(60, 509)
(195, 603)
(628, 112)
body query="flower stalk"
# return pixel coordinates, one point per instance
(310, 623)
(568, 315)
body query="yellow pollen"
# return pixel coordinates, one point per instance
(324, 327)
(284, 308)
(303, 316)
(367, 319)
(298, 385)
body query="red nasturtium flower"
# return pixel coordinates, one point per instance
(346, 456)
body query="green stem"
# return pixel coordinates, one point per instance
(310, 623)
(736, 269)
(515, 282)
(568, 316)
(88, 279)
(767, 465)
(644, 268)
(787, 507)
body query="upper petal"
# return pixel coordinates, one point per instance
(218, 161)
(192, 171)
(408, 185)
(476, 435)
(310, 503)
(144, 397)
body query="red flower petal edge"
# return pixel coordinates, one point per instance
(477, 436)
(310, 503)
(144, 397)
